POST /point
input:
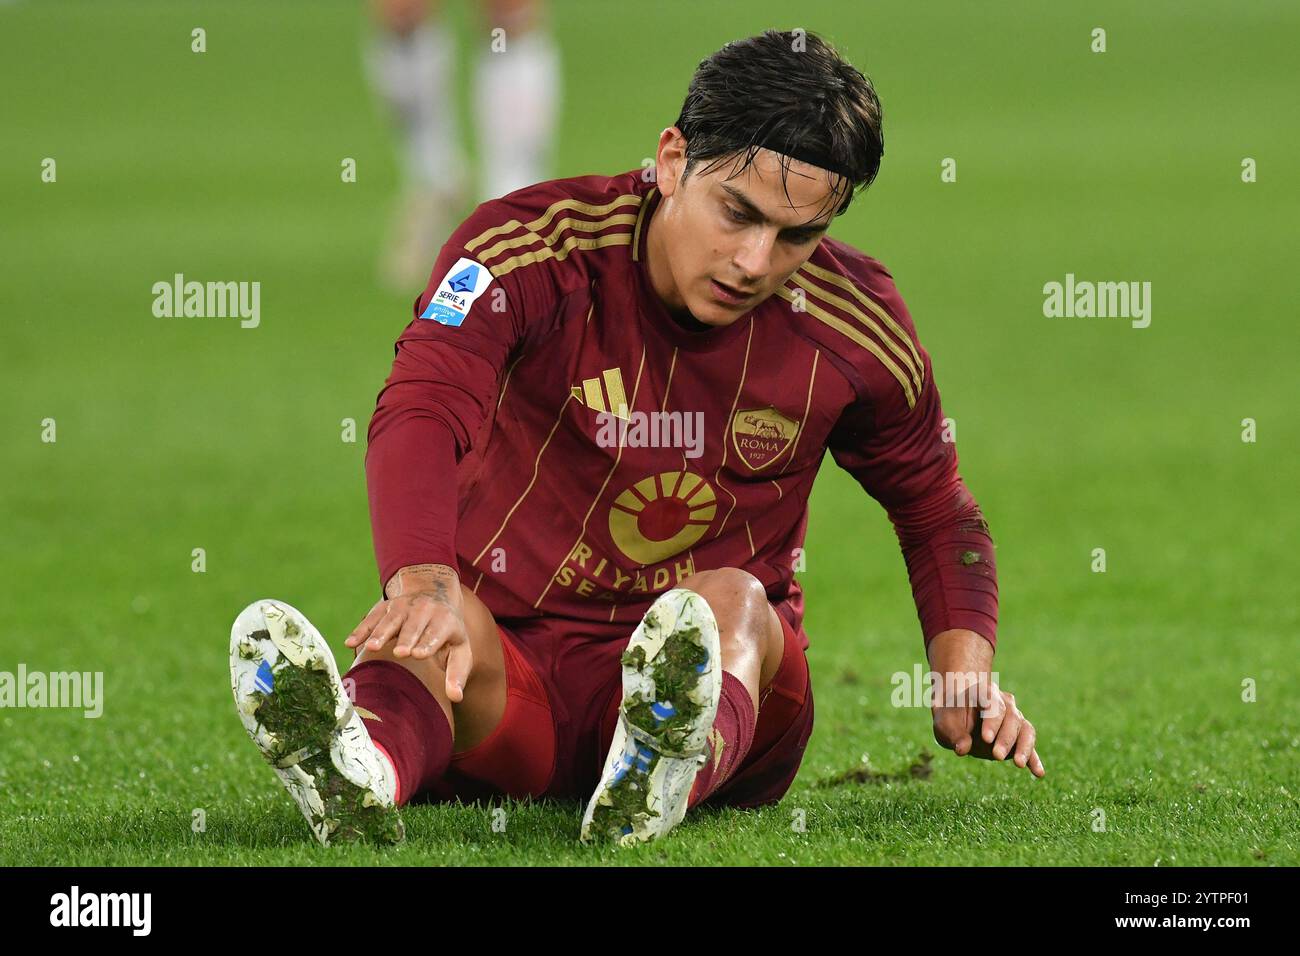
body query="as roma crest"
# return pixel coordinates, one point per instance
(762, 435)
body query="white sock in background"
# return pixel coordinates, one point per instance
(516, 99)
(414, 74)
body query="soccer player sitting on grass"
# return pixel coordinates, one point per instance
(618, 621)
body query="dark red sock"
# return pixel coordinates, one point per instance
(733, 732)
(409, 724)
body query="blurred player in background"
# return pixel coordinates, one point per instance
(412, 63)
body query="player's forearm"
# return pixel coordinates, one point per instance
(959, 651)
(411, 485)
(950, 563)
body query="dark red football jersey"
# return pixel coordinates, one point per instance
(602, 452)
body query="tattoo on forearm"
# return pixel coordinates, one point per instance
(397, 583)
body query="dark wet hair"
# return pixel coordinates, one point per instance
(789, 92)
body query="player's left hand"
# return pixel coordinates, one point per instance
(1003, 731)
(978, 719)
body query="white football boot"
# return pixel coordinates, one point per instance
(296, 709)
(672, 679)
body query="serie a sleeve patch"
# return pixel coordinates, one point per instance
(464, 282)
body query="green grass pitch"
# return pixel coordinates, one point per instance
(1075, 434)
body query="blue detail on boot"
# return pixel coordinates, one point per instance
(641, 761)
(644, 757)
(264, 680)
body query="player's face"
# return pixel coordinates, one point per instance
(730, 241)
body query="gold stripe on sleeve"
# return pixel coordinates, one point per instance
(528, 238)
(913, 370)
(856, 336)
(870, 303)
(553, 210)
(540, 255)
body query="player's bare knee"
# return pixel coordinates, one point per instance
(748, 626)
(738, 602)
(729, 586)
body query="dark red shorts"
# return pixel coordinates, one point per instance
(564, 685)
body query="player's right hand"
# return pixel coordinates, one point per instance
(423, 617)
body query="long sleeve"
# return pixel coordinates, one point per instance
(426, 414)
(447, 366)
(898, 454)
